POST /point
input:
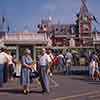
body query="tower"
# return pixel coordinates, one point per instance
(85, 20)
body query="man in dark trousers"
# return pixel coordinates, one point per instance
(44, 64)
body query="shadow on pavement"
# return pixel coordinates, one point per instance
(84, 76)
(74, 72)
(80, 72)
(16, 91)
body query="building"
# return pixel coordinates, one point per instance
(17, 42)
(53, 34)
(62, 34)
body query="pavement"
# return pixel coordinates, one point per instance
(73, 87)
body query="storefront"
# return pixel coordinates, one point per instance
(18, 42)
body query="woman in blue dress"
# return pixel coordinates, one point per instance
(26, 71)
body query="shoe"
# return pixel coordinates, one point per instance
(25, 92)
(43, 91)
(51, 74)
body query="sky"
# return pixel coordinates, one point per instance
(27, 14)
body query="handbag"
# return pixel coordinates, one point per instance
(34, 74)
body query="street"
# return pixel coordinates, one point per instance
(73, 87)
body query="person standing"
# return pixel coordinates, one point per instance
(3, 66)
(68, 60)
(61, 61)
(44, 64)
(26, 71)
(94, 69)
(10, 65)
(52, 65)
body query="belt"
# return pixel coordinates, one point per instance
(43, 65)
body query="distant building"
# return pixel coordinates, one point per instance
(52, 34)
(80, 32)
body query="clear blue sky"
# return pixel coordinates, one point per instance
(21, 13)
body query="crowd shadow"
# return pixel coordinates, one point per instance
(17, 91)
(14, 91)
(83, 76)
(79, 72)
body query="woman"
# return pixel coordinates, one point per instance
(94, 70)
(10, 65)
(26, 71)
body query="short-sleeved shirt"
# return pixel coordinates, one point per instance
(10, 59)
(3, 58)
(68, 57)
(27, 60)
(44, 59)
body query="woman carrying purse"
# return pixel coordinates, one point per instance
(26, 69)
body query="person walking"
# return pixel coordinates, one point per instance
(44, 64)
(26, 69)
(94, 69)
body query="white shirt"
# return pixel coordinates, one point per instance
(3, 57)
(44, 59)
(10, 59)
(51, 56)
(92, 64)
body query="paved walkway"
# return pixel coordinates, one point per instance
(74, 87)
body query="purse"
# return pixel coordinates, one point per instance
(34, 74)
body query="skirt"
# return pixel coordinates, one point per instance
(25, 77)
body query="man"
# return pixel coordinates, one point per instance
(68, 58)
(61, 61)
(3, 66)
(44, 64)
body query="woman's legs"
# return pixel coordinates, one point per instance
(26, 80)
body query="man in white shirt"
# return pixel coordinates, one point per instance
(44, 63)
(3, 66)
(68, 60)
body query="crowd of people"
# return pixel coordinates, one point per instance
(46, 64)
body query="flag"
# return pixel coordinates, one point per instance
(94, 18)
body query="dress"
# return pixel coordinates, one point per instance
(25, 72)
